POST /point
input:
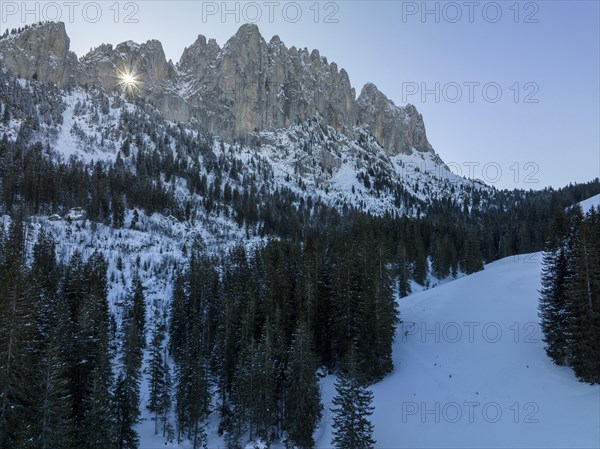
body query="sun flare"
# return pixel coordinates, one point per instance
(128, 79)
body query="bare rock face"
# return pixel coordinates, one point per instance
(196, 58)
(249, 85)
(146, 63)
(154, 78)
(397, 129)
(39, 52)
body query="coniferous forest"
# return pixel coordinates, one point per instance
(247, 332)
(251, 327)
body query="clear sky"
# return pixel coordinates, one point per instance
(517, 83)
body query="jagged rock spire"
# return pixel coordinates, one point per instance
(248, 85)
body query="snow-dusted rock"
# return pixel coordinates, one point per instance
(249, 85)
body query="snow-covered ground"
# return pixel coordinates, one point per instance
(471, 371)
(311, 159)
(594, 201)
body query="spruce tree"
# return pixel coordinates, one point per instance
(471, 261)
(96, 421)
(56, 424)
(18, 341)
(127, 391)
(583, 297)
(53, 425)
(156, 370)
(91, 369)
(302, 402)
(352, 408)
(403, 274)
(165, 402)
(126, 412)
(553, 302)
(138, 311)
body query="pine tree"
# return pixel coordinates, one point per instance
(127, 391)
(583, 297)
(156, 370)
(302, 402)
(139, 310)
(404, 280)
(553, 302)
(352, 408)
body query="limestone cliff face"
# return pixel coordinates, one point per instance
(251, 85)
(399, 130)
(155, 78)
(40, 51)
(247, 85)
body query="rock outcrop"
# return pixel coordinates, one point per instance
(155, 79)
(39, 52)
(248, 85)
(399, 130)
(251, 85)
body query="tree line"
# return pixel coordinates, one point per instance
(250, 329)
(570, 294)
(258, 331)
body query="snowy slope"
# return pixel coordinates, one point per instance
(498, 373)
(311, 159)
(594, 201)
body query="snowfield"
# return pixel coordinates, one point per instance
(594, 201)
(471, 371)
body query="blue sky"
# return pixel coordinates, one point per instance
(532, 72)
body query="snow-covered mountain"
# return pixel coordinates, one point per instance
(312, 158)
(255, 143)
(247, 85)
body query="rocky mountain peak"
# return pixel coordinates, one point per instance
(196, 58)
(398, 129)
(248, 31)
(39, 51)
(248, 85)
(104, 66)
